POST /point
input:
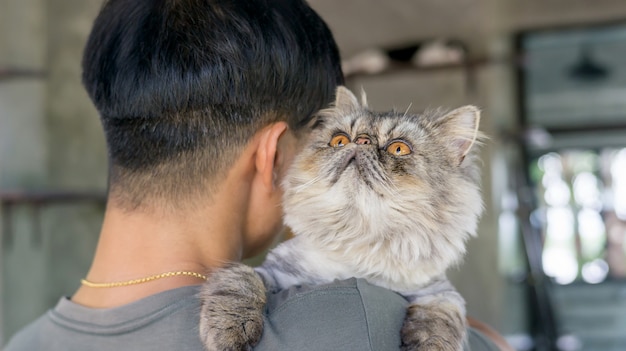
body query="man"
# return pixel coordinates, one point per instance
(202, 103)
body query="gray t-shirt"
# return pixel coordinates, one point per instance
(345, 315)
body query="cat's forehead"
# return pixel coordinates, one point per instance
(389, 124)
(394, 123)
(356, 120)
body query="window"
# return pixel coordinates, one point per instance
(574, 93)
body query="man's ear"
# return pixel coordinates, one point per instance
(268, 157)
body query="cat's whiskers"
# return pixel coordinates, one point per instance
(389, 186)
(385, 182)
(407, 110)
(302, 187)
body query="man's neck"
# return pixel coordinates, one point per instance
(144, 242)
(139, 244)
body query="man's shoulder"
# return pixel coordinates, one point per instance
(347, 314)
(166, 321)
(29, 338)
(343, 315)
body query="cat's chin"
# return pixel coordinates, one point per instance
(384, 252)
(391, 241)
(387, 267)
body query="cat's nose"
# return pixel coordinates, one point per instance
(363, 140)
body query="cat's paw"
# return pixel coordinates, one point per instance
(233, 299)
(433, 328)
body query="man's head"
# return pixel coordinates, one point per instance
(182, 85)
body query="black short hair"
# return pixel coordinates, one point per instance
(182, 85)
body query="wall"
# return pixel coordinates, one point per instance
(50, 139)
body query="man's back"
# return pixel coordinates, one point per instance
(345, 315)
(160, 322)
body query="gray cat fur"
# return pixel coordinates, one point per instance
(397, 221)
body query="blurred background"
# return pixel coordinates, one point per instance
(548, 268)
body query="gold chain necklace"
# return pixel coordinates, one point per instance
(86, 282)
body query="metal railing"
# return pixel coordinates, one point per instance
(19, 73)
(37, 200)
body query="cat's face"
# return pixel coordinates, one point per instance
(375, 154)
(373, 177)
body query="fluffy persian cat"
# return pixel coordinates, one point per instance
(388, 197)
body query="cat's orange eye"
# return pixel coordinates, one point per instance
(339, 140)
(398, 148)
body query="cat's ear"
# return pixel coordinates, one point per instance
(345, 104)
(461, 127)
(345, 101)
(363, 98)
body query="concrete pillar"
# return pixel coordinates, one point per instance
(50, 139)
(77, 153)
(76, 144)
(23, 155)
